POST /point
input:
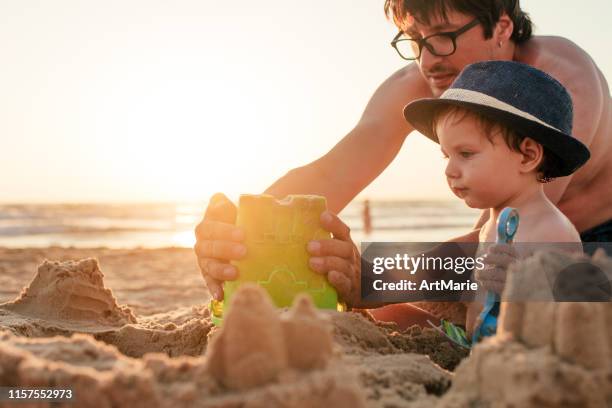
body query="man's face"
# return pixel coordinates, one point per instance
(440, 72)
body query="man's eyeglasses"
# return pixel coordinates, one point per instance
(439, 44)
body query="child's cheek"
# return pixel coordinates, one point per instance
(480, 169)
(471, 173)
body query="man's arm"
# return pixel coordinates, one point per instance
(339, 175)
(365, 151)
(443, 251)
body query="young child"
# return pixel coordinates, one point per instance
(505, 129)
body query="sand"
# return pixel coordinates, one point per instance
(66, 297)
(71, 294)
(546, 354)
(139, 334)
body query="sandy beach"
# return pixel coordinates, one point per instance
(131, 327)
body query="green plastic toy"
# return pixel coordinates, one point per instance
(276, 235)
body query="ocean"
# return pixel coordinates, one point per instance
(156, 225)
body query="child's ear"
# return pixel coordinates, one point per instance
(533, 153)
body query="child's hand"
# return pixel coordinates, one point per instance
(338, 258)
(493, 276)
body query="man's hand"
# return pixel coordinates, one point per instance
(497, 260)
(338, 259)
(218, 241)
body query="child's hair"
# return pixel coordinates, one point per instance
(513, 139)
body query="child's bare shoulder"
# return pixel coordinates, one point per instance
(553, 226)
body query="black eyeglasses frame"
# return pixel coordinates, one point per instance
(422, 42)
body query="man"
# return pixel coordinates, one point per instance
(443, 36)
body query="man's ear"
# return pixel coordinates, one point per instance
(533, 154)
(503, 29)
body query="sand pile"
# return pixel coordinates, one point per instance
(71, 292)
(360, 335)
(70, 297)
(299, 340)
(547, 353)
(266, 366)
(257, 347)
(259, 358)
(298, 345)
(149, 281)
(300, 357)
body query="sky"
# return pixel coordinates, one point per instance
(149, 100)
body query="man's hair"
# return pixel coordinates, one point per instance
(513, 139)
(487, 12)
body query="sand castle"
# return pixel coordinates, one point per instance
(256, 344)
(73, 292)
(546, 353)
(70, 297)
(565, 327)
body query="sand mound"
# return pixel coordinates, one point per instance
(71, 292)
(564, 327)
(135, 340)
(547, 353)
(257, 346)
(100, 376)
(70, 297)
(259, 358)
(304, 341)
(505, 373)
(360, 335)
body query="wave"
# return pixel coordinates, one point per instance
(143, 224)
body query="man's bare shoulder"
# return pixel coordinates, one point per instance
(400, 88)
(575, 69)
(407, 76)
(558, 56)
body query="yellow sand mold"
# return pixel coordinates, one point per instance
(276, 235)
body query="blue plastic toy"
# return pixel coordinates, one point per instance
(507, 225)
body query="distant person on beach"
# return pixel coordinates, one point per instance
(367, 218)
(440, 38)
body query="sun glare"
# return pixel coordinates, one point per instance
(185, 239)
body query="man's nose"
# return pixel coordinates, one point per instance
(429, 60)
